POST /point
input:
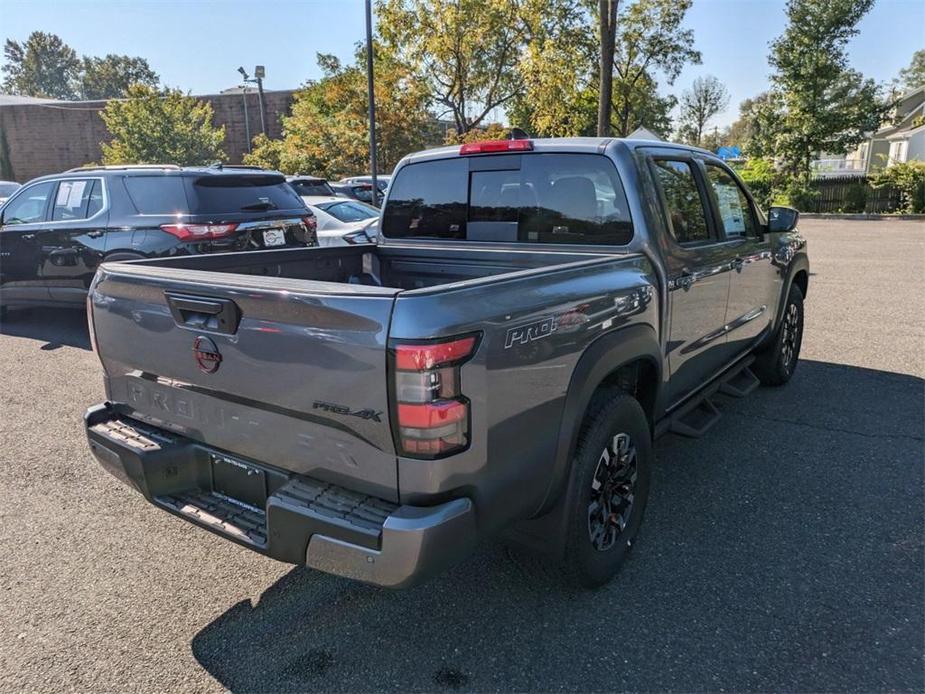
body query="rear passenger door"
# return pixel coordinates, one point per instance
(755, 281)
(73, 239)
(698, 275)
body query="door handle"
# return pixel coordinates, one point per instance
(685, 280)
(28, 237)
(94, 234)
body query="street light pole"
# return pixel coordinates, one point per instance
(259, 74)
(247, 123)
(372, 98)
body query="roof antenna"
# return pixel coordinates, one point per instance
(518, 134)
(216, 165)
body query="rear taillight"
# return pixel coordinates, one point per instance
(198, 232)
(310, 222)
(431, 412)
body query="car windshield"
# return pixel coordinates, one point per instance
(309, 187)
(7, 189)
(349, 210)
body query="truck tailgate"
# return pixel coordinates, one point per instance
(291, 373)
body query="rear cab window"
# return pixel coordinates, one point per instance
(528, 198)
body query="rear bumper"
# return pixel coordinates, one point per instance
(291, 518)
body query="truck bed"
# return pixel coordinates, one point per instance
(389, 267)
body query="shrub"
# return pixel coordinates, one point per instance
(908, 179)
(760, 177)
(798, 195)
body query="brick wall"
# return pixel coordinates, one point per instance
(51, 137)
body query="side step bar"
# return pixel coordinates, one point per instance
(695, 417)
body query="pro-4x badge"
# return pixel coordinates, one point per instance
(343, 409)
(206, 354)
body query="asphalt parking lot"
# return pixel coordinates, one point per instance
(783, 551)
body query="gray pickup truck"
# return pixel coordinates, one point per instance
(535, 314)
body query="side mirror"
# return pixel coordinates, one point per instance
(782, 219)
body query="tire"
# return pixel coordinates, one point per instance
(774, 365)
(122, 255)
(599, 537)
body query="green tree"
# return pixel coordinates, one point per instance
(562, 74)
(466, 52)
(110, 77)
(828, 107)
(42, 66)
(759, 124)
(913, 75)
(699, 104)
(150, 127)
(327, 134)
(558, 69)
(650, 37)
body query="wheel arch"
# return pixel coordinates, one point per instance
(798, 274)
(629, 359)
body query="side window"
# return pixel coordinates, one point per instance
(684, 206)
(734, 208)
(96, 199)
(160, 195)
(29, 206)
(71, 200)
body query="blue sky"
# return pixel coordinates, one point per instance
(197, 45)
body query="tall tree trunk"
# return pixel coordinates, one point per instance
(608, 25)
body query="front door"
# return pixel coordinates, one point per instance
(72, 241)
(755, 282)
(698, 276)
(20, 247)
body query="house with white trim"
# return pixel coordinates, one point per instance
(901, 139)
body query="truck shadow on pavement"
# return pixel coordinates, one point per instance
(53, 327)
(781, 551)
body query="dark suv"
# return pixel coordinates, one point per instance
(57, 229)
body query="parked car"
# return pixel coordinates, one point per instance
(343, 222)
(7, 188)
(535, 313)
(382, 181)
(310, 186)
(358, 191)
(56, 230)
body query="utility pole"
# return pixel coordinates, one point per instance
(372, 99)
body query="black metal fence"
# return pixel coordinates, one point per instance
(850, 194)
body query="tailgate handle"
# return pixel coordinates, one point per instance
(204, 313)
